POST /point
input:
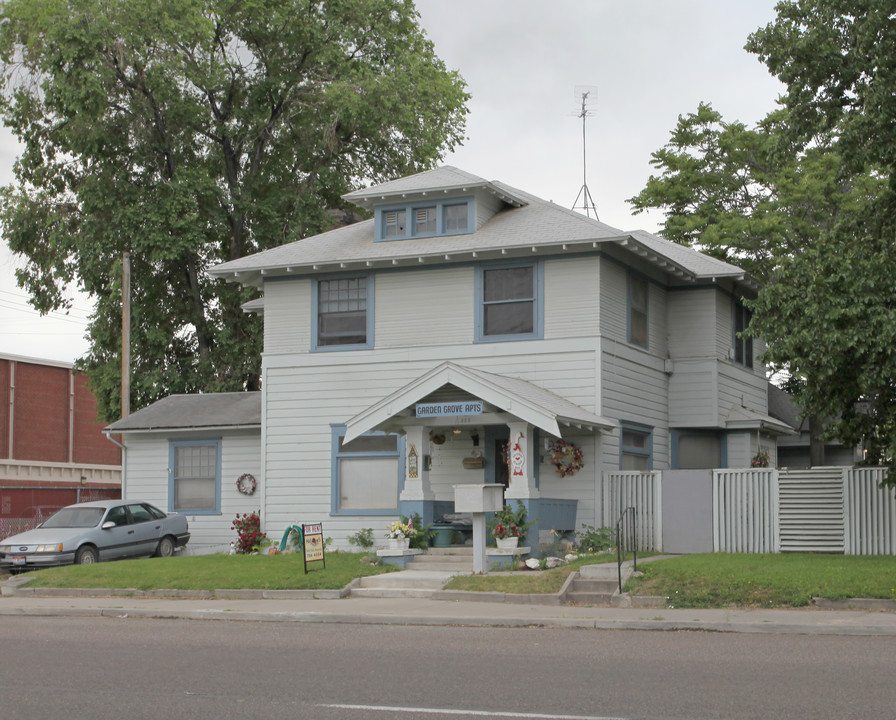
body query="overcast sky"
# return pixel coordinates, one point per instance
(650, 60)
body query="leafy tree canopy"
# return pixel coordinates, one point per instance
(805, 201)
(190, 132)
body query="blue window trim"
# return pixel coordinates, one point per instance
(315, 307)
(538, 305)
(628, 295)
(742, 312)
(198, 442)
(337, 431)
(379, 234)
(676, 439)
(625, 449)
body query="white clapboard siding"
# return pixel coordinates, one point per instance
(745, 511)
(572, 302)
(694, 393)
(812, 510)
(444, 296)
(692, 323)
(147, 479)
(870, 513)
(643, 492)
(287, 316)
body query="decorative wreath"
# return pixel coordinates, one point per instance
(246, 484)
(566, 457)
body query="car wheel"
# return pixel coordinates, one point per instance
(86, 555)
(166, 547)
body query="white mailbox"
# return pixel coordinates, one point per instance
(478, 498)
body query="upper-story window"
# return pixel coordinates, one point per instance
(426, 218)
(637, 310)
(636, 447)
(509, 302)
(743, 346)
(395, 223)
(343, 310)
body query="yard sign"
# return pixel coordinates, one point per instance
(314, 544)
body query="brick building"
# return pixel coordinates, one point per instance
(52, 449)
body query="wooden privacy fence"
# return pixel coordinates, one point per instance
(642, 491)
(842, 510)
(758, 510)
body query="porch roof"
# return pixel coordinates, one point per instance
(741, 418)
(533, 404)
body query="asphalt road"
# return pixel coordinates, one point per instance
(72, 668)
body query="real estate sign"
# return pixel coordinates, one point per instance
(314, 544)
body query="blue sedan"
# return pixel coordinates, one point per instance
(93, 531)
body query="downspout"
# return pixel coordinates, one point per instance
(71, 416)
(124, 462)
(12, 407)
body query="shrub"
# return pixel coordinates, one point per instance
(248, 532)
(363, 538)
(592, 539)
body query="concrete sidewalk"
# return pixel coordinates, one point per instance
(470, 613)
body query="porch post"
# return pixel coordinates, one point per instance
(523, 458)
(417, 495)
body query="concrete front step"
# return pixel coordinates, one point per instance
(455, 568)
(421, 580)
(594, 586)
(589, 598)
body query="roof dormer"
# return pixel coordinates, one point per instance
(436, 203)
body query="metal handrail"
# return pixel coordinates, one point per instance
(621, 539)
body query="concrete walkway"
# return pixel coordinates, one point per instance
(466, 612)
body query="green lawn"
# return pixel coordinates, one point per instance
(212, 572)
(787, 579)
(712, 580)
(547, 581)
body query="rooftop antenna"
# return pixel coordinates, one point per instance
(587, 95)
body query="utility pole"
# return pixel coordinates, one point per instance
(125, 334)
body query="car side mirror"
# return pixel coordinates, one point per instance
(108, 525)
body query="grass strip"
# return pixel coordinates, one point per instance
(212, 572)
(780, 580)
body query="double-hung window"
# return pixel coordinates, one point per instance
(343, 310)
(366, 473)
(637, 310)
(743, 346)
(194, 476)
(636, 448)
(509, 302)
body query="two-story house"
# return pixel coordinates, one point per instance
(457, 337)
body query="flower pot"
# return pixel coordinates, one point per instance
(399, 543)
(509, 542)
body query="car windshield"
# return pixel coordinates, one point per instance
(75, 517)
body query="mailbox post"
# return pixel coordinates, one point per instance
(479, 499)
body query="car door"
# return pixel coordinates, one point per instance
(147, 530)
(116, 542)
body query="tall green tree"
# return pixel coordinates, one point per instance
(805, 201)
(831, 314)
(190, 132)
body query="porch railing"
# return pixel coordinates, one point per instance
(626, 540)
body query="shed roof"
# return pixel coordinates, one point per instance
(199, 411)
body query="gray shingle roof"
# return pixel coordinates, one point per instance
(184, 412)
(528, 224)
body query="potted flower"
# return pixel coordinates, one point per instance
(760, 460)
(510, 526)
(400, 534)
(507, 535)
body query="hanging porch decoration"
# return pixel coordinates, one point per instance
(246, 484)
(566, 457)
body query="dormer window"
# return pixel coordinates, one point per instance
(452, 216)
(424, 221)
(394, 223)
